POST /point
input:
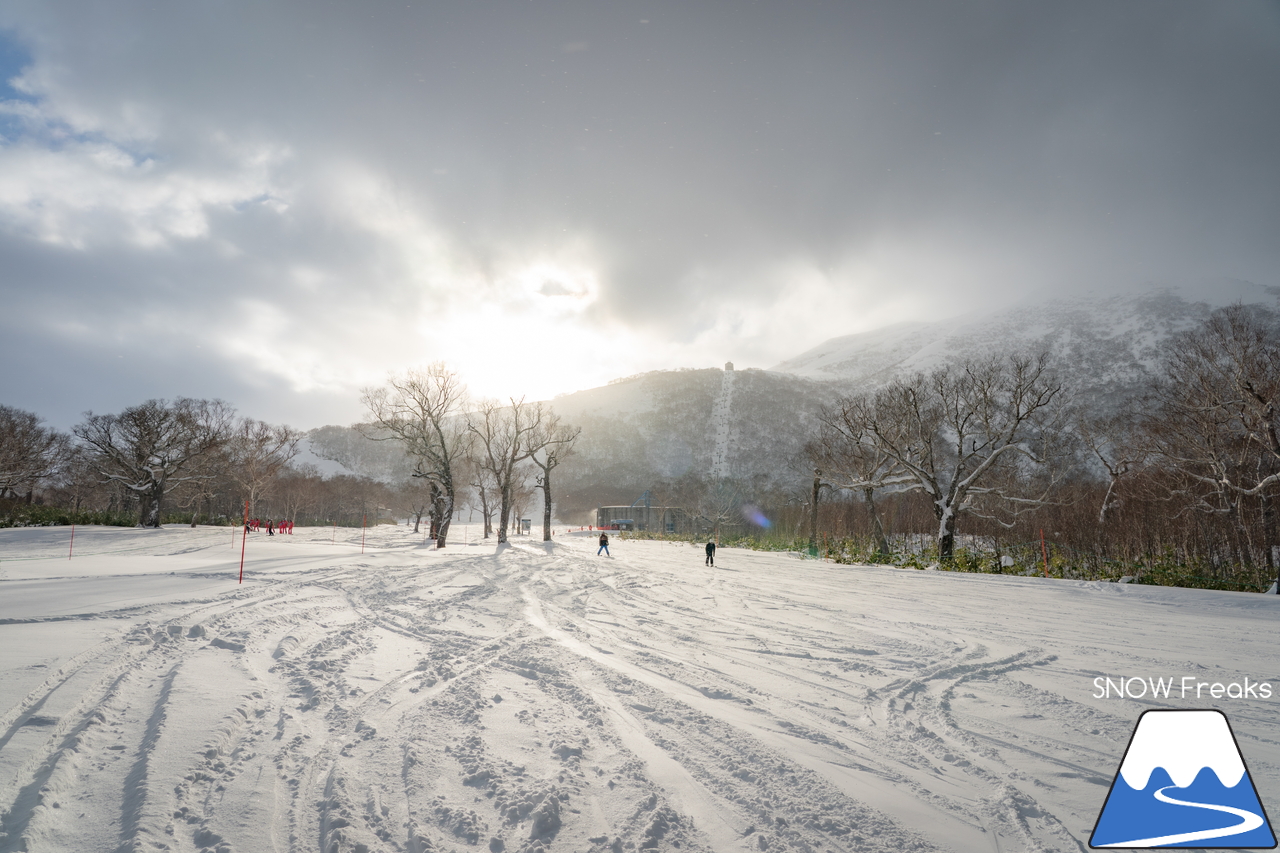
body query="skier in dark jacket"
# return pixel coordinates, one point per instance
(711, 554)
(604, 545)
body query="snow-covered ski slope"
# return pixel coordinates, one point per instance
(409, 699)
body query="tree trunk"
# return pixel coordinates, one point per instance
(417, 520)
(486, 514)
(946, 533)
(195, 512)
(546, 506)
(1269, 537)
(446, 513)
(149, 506)
(882, 544)
(442, 519)
(1241, 535)
(504, 513)
(813, 517)
(434, 514)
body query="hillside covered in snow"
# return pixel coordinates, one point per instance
(1103, 343)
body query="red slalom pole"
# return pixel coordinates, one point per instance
(244, 534)
(364, 519)
(73, 541)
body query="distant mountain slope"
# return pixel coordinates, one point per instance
(1104, 343)
(646, 429)
(751, 426)
(662, 425)
(348, 450)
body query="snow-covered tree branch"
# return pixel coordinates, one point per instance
(966, 434)
(151, 448)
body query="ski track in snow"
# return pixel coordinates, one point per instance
(542, 698)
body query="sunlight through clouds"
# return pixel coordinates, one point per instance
(552, 197)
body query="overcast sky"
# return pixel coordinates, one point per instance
(277, 203)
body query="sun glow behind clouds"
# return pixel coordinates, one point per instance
(524, 332)
(532, 325)
(335, 273)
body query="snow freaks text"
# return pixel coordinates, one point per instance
(1186, 687)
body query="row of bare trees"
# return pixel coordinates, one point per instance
(489, 445)
(147, 453)
(199, 455)
(999, 438)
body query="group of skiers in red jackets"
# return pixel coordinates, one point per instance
(273, 527)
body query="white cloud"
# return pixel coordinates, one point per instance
(86, 192)
(321, 204)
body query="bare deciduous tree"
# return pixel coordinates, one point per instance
(717, 501)
(551, 442)
(256, 452)
(522, 493)
(299, 489)
(502, 435)
(29, 452)
(962, 434)
(846, 452)
(1119, 448)
(486, 493)
(151, 448)
(208, 476)
(1214, 417)
(415, 497)
(423, 409)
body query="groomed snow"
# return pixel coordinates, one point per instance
(545, 699)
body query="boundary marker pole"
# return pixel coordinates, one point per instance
(1044, 550)
(244, 535)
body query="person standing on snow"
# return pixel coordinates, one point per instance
(604, 545)
(711, 554)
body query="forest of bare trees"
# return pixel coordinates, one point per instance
(197, 461)
(490, 445)
(999, 463)
(188, 461)
(1186, 474)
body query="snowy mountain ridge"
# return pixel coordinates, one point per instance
(1106, 341)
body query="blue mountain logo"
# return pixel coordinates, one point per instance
(1183, 783)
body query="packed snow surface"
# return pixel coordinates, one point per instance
(541, 698)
